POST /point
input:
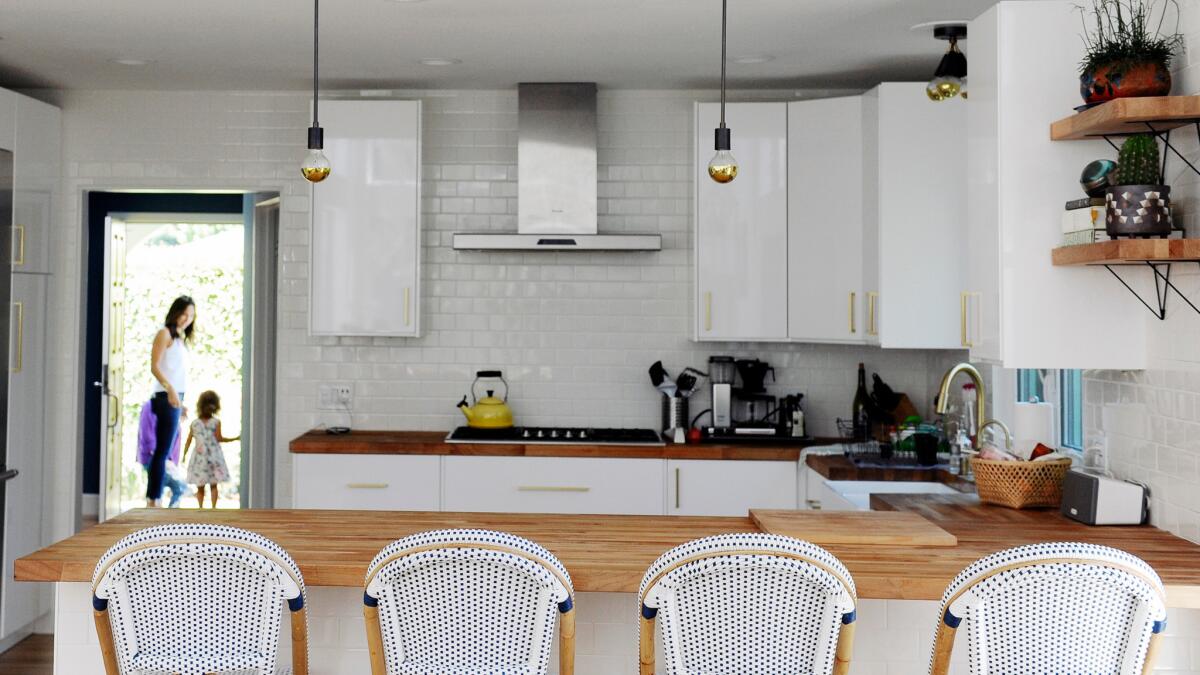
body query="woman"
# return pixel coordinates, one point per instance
(168, 364)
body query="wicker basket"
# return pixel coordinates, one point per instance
(1020, 485)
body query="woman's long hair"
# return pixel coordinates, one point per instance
(172, 321)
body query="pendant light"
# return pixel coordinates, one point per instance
(722, 167)
(316, 165)
(950, 78)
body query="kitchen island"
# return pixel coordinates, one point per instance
(898, 585)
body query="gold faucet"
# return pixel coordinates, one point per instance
(943, 401)
(1008, 444)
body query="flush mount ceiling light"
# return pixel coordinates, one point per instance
(950, 78)
(316, 165)
(439, 61)
(723, 167)
(750, 59)
(132, 62)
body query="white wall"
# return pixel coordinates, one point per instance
(1150, 420)
(574, 333)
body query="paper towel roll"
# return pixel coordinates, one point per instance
(1032, 423)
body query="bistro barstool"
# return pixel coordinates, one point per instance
(1054, 608)
(197, 599)
(467, 602)
(752, 604)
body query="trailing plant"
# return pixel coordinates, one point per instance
(1127, 33)
(1137, 163)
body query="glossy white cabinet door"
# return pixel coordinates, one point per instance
(728, 487)
(553, 485)
(366, 245)
(23, 603)
(8, 119)
(741, 227)
(36, 183)
(1047, 317)
(919, 202)
(368, 482)
(826, 299)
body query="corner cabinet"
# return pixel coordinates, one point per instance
(365, 243)
(742, 227)
(1023, 311)
(35, 182)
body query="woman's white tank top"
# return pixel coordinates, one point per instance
(173, 365)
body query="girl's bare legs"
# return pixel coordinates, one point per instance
(200, 495)
(153, 503)
(214, 494)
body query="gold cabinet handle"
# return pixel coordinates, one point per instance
(553, 488)
(19, 259)
(708, 312)
(853, 327)
(19, 361)
(407, 304)
(367, 486)
(963, 302)
(676, 487)
(872, 327)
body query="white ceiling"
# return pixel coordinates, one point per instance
(266, 44)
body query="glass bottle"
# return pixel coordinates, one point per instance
(859, 414)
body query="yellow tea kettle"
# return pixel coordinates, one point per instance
(488, 412)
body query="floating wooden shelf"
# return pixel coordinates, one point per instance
(1128, 116)
(1128, 251)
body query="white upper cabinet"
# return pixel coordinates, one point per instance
(37, 153)
(914, 205)
(366, 245)
(1024, 312)
(825, 300)
(741, 227)
(8, 119)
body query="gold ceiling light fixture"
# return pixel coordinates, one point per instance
(723, 167)
(950, 78)
(316, 166)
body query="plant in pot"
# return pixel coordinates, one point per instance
(1127, 52)
(1137, 204)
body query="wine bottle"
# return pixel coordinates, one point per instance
(859, 414)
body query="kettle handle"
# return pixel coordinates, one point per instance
(488, 373)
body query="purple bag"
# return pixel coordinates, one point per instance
(146, 437)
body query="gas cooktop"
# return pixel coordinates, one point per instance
(556, 436)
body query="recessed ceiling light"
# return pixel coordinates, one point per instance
(438, 61)
(748, 59)
(133, 62)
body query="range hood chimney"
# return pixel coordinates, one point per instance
(556, 178)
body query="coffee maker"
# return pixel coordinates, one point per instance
(721, 374)
(746, 412)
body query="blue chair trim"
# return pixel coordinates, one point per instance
(369, 601)
(566, 605)
(649, 612)
(297, 603)
(849, 617)
(950, 620)
(99, 604)
(1159, 626)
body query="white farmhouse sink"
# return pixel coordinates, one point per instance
(856, 494)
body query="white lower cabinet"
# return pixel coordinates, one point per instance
(368, 482)
(704, 487)
(553, 485)
(810, 484)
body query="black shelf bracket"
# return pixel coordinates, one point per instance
(1162, 287)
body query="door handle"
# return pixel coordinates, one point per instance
(552, 488)
(8, 475)
(367, 486)
(964, 314)
(114, 409)
(407, 302)
(872, 300)
(19, 230)
(708, 311)
(677, 487)
(853, 327)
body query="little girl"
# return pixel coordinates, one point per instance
(208, 464)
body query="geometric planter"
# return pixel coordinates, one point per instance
(1138, 211)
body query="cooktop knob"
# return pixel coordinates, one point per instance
(541, 434)
(525, 433)
(554, 433)
(569, 434)
(582, 433)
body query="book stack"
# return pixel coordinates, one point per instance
(1083, 222)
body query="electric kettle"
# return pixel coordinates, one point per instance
(488, 412)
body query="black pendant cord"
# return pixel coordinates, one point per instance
(724, 10)
(316, 9)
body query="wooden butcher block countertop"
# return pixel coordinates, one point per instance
(434, 443)
(611, 553)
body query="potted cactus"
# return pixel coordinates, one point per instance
(1128, 54)
(1137, 204)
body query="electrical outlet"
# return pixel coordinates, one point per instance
(335, 397)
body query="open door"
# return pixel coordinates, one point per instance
(112, 382)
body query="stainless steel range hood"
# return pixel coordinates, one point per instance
(556, 178)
